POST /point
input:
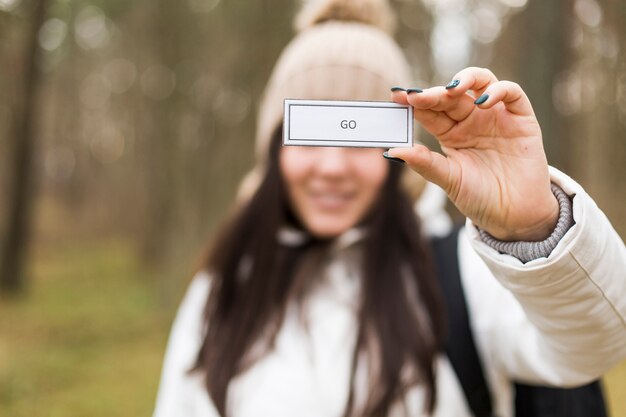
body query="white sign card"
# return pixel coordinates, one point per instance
(371, 124)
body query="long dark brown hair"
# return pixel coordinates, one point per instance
(255, 277)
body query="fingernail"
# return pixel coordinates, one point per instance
(391, 158)
(452, 84)
(414, 90)
(394, 89)
(482, 99)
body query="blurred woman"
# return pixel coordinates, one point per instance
(320, 297)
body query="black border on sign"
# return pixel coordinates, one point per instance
(408, 124)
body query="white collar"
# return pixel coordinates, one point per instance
(290, 236)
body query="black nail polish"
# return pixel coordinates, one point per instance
(391, 158)
(394, 89)
(482, 99)
(452, 84)
(414, 90)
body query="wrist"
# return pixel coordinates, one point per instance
(538, 231)
(530, 250)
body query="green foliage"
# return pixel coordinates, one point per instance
(87, 341)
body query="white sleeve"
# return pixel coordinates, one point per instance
(558, 320)
(182, 394)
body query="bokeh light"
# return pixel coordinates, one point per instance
(607, 44)
(52, 34)
(91, 28)
(514, 3)
(158, 82)
(9, 5)
(231, 106)
(589, 12)
(107, 146)
(120, 74)
(450, 43)
(485, 24)
(567, 93)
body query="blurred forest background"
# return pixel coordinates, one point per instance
(125, 127)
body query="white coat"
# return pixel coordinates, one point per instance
(559, 320)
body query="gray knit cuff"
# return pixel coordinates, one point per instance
(527, 251)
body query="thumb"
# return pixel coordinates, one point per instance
(433, 166)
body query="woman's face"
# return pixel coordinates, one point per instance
(332, 189)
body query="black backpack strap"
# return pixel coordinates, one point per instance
(460, 346)
(538, 401)
(530, 400)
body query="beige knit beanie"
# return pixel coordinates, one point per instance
(343, 51)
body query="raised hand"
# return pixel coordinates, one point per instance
(494, 168)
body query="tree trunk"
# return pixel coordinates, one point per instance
(534, 50)
(21, 189)
(602, 145)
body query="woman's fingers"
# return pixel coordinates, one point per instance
(435, 122)
(438, 99)
(440, 109)
(434, 109)
(399, 95)
(433, 166)
(509, 93)
(471, 78)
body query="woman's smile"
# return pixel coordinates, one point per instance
(332, 189)
(331, 200)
